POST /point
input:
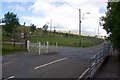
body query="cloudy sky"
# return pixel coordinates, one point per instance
(63, 13)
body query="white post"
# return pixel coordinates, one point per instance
(47, 47)
(39, 47)
(28, 45)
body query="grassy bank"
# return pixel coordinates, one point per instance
(69, 41)
(8, 48)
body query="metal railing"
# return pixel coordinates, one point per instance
(95, 62)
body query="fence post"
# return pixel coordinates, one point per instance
(25, 43)
(39, 47)
(28, 45)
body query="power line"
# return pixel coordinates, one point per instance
(69, 5)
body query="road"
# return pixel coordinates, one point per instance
(69, 62)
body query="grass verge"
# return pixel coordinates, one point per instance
(69, 41)
(8, 48)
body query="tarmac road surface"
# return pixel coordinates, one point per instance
(69, 62)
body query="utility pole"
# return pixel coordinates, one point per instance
(80, 27)
(98, 30)
(24, 23)
(50, 26)
(69, 32)
(95, 31)
(14, 34)
(54, 29)
(80, 31)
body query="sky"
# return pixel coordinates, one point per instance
(63, 14)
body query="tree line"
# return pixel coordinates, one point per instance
(111, 23)
(15, 30)
(13, 27)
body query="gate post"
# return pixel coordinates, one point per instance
(28, 45)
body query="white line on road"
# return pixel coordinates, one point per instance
(51, 63)
(83, 74)
(10, 77)
(8, 62)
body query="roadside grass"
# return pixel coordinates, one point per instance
(69, 41)
(8, 48)
(6, 39)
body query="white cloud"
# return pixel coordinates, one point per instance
(39, 6)
(18, 7)
(39, 22)
(66, 16)
(18, 0)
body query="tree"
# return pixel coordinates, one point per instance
(112, 23)
(2, 20)
(38, 32)
(45, 27)
(11, 22)
(23, 29)
(32, 27)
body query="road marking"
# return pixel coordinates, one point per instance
(9, 77)
(8, 62)
(51, 63)
(83, 74)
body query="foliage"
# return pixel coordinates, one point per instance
(38, 32)
(32, 27)
(2, 20)
(45, 27)
(11, 22)
(112, 23)
(23, 29)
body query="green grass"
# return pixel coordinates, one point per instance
(69, 41)
(62, 41)
(6, 38)
(9, 48)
